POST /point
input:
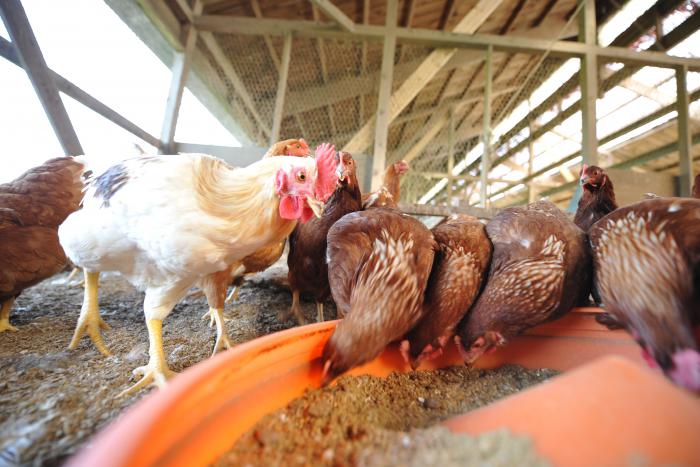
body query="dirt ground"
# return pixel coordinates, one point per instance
(53, 400)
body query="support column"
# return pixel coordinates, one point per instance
(588, 79)
(450, 154)
(33, 62)
(381, 131)
(685, 158)
(281, 89)
(486, 137)
(180, 70)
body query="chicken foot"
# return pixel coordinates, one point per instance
(222, 341)
(5, 316)
(157, 371)
(90, 321)
(294, 310)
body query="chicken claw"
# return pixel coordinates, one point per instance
(222, 341)
(90, 321)
(157, 371)
(5, 316)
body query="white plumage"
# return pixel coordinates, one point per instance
(165, 222)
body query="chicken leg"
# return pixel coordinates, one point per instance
(221, 334)
(319, 312)
(233, 295)
(157, 371)
(294, 310)
(90, 321)
(5, 316)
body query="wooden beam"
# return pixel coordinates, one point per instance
(486, 137)
(450, 153)
(381, 134)
(180, 71)
(424, 73)
(334, 13)
(363, 63)
(588, 78)
(278, 114)
(33, 62)
(444, 39)
(8, 52)
(444, 211)
(257, 11)
(684, 131)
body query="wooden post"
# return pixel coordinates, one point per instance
(33, 62)
(450, 155)
(281, 90)
(685, 157)
(180, 70)
(588, 78)
(486, 137)
(381, 132)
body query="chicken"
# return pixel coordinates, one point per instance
(647, 258)
(389, 194)
(308, 271)
(379, 262)
(695, 193)
(167, 222)
(31, 209)
(461, 263)
(289, 147)
(215, 285)
(541, 267)
(598, 197)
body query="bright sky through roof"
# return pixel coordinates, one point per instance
(87, 43)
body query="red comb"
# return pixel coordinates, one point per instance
(327, 179)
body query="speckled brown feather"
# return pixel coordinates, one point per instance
(308, 271)
(460, 265)
(379, 262)
(541, 268)
(33, 206)
(647, 258)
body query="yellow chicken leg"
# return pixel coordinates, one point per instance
(157, 371)
(221, 334)
(233, 295)
(319, 312)
(295, 310)
(5, 316)
(90, 321)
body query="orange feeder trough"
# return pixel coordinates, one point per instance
(609, 410)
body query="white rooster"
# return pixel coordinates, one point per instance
(166, 222)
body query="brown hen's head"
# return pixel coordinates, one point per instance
(474, 345)
(696, 187)
(297, 147)
(346, 170)
(400, 167)
(593, 178)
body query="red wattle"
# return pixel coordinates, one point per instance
(290, 208)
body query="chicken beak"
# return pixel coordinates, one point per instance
(315, 205)
(340, 172)
(585, 180)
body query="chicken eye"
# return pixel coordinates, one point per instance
(298, 146)
(301, 176)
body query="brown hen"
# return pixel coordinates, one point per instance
(31, 209)
(598, 199)
(541, 268)
(379, 262)
(308, 271)
(461, 263)
(695, 193)
(389, 194)
(647, 259)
